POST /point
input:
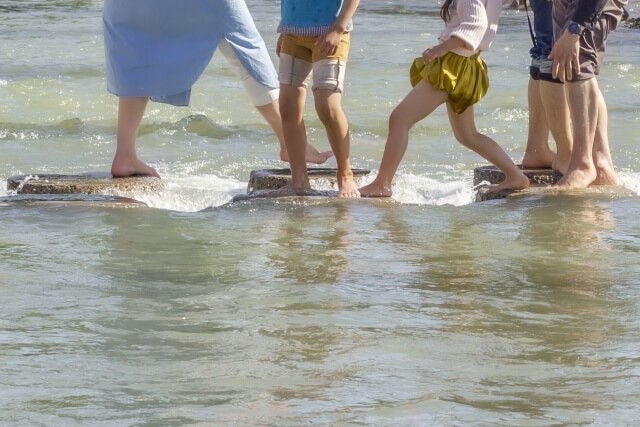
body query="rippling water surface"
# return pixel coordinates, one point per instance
(425, 310)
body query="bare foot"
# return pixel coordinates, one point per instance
(312, 155)
(375, 189)
(603, 178)
(578, 178)
(538, 160)
(123, 167)
(348, 188)
(515, 183)
(605, 175)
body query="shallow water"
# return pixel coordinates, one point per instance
(425, 310)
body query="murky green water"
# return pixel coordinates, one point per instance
(428, 310)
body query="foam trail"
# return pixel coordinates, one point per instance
(192, 193)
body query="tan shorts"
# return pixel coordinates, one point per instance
(300, 59)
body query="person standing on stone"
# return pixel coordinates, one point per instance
(157, 49)
(315, 40)
(580, 32)
(452, 73)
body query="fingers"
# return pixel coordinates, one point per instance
(326, 46)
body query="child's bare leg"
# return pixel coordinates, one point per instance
(329, 107)
(537, 154)
(417, 105)
(271, 113)
(292, 100)
(126, 162)
(464, 129)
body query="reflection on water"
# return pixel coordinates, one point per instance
(324, 312)
(312, 254)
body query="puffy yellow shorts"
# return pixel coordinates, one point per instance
(464, 79)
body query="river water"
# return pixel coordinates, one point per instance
(425, 310)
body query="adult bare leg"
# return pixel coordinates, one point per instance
(537, 153)
(605, 172)
(556, 110)
(125, 162)
(582, 98)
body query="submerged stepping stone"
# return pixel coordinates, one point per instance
(90, 183)
(308, 197)
(84, 199)
(484, 193)
(493, 175)
(273, 179)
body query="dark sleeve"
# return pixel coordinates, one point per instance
(588, 11)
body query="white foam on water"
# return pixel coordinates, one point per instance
(630, 181)
(191, 193)
(424, 190)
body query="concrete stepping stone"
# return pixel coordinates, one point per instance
(89, 183)
(493, 175)
(273, 179)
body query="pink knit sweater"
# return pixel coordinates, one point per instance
(475, 22)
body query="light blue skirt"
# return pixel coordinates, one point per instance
(159, 48)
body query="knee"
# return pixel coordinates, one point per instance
(398, 120)
(466, 138)
(328, 113)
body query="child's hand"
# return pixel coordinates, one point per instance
(279, 45)
(328, 42)
(434, 52)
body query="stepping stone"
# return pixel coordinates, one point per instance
(483, 194)
(84, 199)
(493, 175)
(90, 183)
(273, 179)
(309, 197)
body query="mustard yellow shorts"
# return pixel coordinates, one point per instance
(464, 79)
(300, 59)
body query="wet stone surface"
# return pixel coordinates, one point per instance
(91, 183)
(493, 175)
(70, 199)
(274, 179)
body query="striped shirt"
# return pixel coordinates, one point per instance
(309, 17)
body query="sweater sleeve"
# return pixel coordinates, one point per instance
(588, 11)
(473, 22)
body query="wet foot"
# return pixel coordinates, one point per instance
(348, 188)
(578, 178)
(606, 177)
(125, 167)
(516, 183)
(312, 155)
(375, 189)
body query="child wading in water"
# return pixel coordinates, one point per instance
(314, 38)
(451, 72)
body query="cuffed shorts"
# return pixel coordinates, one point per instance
(301, 59)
